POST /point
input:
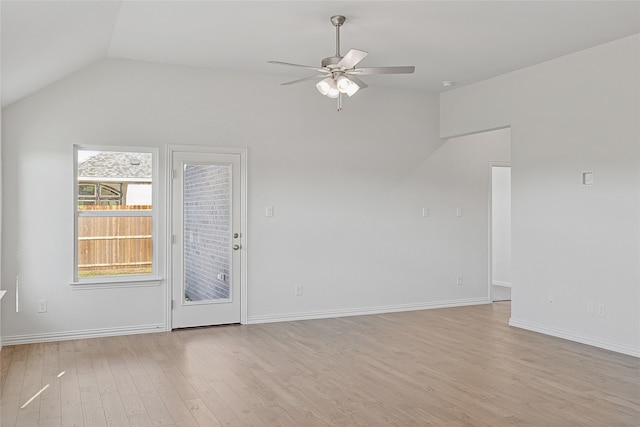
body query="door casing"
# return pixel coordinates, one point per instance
(490, 236)
(169, 157)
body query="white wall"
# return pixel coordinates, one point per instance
(348, 190)
(501, 225)
(1, 293)
(572, 245)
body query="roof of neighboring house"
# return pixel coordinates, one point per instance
(114, 165)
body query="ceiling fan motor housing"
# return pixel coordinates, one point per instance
(331, 62)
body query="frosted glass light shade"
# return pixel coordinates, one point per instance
(352, 89)
(343, 84)
(324, 86)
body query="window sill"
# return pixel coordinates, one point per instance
(116, 283)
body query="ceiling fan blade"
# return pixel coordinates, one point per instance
(352, 58)
(319, 76)
(382, 70)
(357, 81)
(297, 65)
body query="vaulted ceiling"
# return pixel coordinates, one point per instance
(44, 41)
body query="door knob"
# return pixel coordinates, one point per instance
(236, 247)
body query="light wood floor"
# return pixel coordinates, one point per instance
(446, 367)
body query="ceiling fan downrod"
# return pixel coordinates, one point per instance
(337, 21)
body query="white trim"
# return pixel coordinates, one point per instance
(244, 208)
(76, 335)
(492, 164)
(126, 282)
(91, 179)
(499, 283)
(154, 213)
(118, 213)
(288, 317)
(568, 335)
(2, 294)
(243, 153)
(168, 215)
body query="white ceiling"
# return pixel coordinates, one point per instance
(446, 40)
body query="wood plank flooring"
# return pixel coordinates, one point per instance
(446, 367)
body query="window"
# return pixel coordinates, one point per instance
(114, 214)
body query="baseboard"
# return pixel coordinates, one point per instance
(568, 335)
(76, 335)
(288, 317)
(499, 283)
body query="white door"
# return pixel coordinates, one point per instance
(206, 249)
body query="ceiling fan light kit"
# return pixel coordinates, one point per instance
(338, 72)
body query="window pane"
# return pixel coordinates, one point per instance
(112, 190)
(207, 232)
(114, 183)
(115, 173)
(114, 246)
(87, 190)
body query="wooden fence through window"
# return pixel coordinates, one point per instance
(114, 245)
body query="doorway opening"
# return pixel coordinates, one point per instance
(500, 235)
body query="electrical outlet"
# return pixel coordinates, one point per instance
(298, 290)
(601, 310)
(42, 306)
(459, 280)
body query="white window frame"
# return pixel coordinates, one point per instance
(133, 280)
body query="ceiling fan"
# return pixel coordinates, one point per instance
(339, 73)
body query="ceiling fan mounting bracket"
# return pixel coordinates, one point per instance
(338, 20)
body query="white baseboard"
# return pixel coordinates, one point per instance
(76, 335)
(568, 335)
(499, 283)
(288, 317)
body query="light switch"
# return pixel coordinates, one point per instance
(587, 178)
(459, 212)
(425, 212)
(269, 211)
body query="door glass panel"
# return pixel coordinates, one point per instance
(207, 232)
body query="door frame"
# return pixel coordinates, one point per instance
(490, 237)
(169, 154)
